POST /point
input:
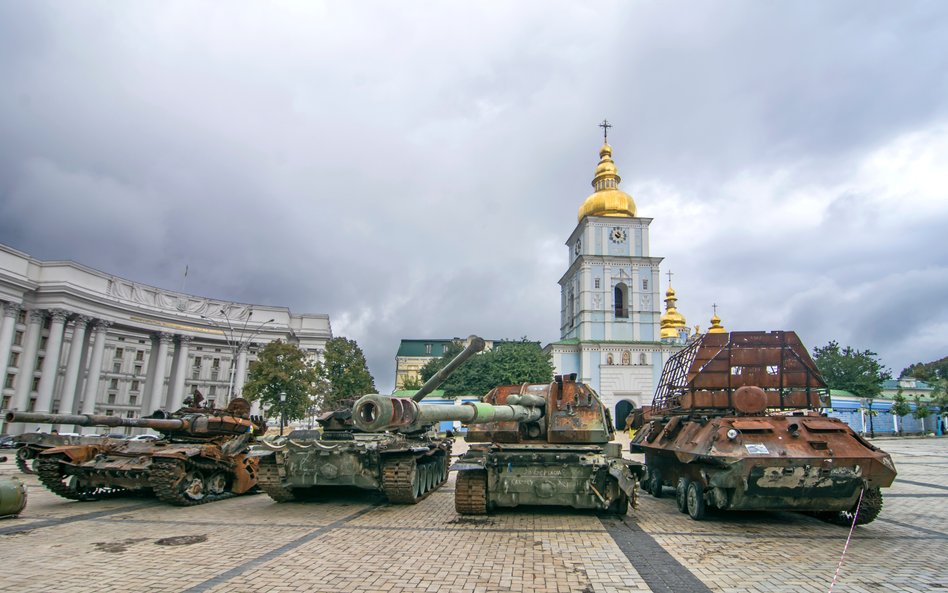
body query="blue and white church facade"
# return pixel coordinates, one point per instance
(611, 322)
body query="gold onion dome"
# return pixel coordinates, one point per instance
(608, 199)
(716, 327)
(671, 319)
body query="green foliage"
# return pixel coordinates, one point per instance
(345, 373)
(928, 371)
(922, 410)
(900, 407)
(509, 362)
(858, 372)
(281, 367)
(939, 400)
(411, 383)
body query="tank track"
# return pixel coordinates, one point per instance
(400, 476)
(166, 477)
(470, 492)
(868, 511)
(50, 474)
(24, 462)
(268, 479)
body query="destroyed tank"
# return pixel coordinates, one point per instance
(406, 465)
(200, 457)
(735, 424)
(530, 444)
(29, 445)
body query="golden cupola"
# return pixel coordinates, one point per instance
(608, 199)
(716, 327)
(671, 320)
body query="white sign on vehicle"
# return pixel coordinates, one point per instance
(756, 449)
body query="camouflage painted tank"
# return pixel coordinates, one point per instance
(201, 456)
(545, 444)
(735, 425)
(406, 465)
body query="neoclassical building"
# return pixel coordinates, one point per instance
(613, 334)
(77, 340)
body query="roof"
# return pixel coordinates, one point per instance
(419, 347)
(906, 383)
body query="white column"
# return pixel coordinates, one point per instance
(10, 311)
(73, 364)
(95, 372)
(180, 373)
(241, 376)
(50, 368)
(158, 380)
(24, 379)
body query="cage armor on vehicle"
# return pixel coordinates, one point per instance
(735, 424)
(29, 445)
(532, 444)
(201, 456)
(406, 465)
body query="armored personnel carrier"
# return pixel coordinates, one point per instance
(735, 424)
(406, 464)
(201, 456)
(543, 444)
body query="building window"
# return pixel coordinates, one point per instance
(427, 348)
(47, 321)
(121, 338)
(211, 403)
(596, 282)
(36, 384)
(444, 348)
(113, 383)
(111, 398)
(197, 360)
(117, 367)
(138, 369)
(132, 400)
(645, 284)
(140, 355)
(109, 412)
(212, 390)
(39, 363)
(216, 363)
(642, 358)
(43, 341)
(6, 403)
(32, 405)
(119, 352)
(21, 318)
(217, 349)
(8, 382)
(15, 359)
(620, 301)
(134, 386)
(130, 414)
(18, 338)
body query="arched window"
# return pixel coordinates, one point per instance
(642, 358)
(620, 301)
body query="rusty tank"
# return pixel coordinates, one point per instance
(29, 445)
(200, 457)
(405, 464)
(735, 424)
(530, 444)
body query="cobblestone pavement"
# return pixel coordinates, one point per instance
(355, 541)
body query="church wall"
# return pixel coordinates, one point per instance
(638, 243)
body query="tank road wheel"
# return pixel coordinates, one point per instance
(217, 484)
(26, 460)
(681, 494)
(619, 505)
(470, 494)
(177, 483)
(50, 472)
(268, 478)
(868, 511)
(655, 483)
(695, 501)
(400, 477)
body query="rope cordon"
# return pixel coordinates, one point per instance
(848, 539)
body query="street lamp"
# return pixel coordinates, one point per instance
(237, 340)
(282, 411)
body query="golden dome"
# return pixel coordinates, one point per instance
(608, 199)
(671, 320)
(716, 327)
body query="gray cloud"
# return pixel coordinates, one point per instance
(413, 170)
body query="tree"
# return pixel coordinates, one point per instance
(344, 369)
(411, 383)
(900, 407)
(939, 403)
(855, 371)
(508, 363)
(928, 371)
(282, 368)
(922, 411)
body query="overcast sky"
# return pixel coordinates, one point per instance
(414, 169)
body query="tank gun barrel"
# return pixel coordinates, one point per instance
(474, 345)
(93, 420)
(373, 413)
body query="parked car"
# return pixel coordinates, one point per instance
(143, 437)
(7, 441)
